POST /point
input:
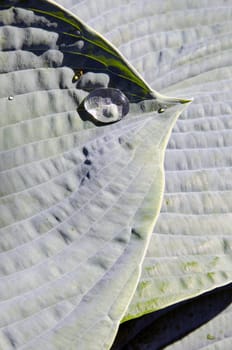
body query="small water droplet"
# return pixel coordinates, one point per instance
(78, 73)
(10, 98)
(161, 110)
(107, 105)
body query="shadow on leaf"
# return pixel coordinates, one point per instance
(159, 329)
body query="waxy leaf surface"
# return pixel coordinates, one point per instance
(78, 199)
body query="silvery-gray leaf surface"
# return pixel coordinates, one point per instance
(78, 199)
(182, 48)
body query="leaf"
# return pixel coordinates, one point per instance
(215, 334)
(78, 199)
(198, 323)
(182, 49)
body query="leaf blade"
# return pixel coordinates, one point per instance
(76, 200)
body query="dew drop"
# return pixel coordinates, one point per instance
(161, 110)
(107, 105)
(78, 73)
(10, 98)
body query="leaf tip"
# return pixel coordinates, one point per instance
(183, 101)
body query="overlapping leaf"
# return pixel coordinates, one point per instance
(182, 48)
(216, 334)
(202, 322)
(78, 200)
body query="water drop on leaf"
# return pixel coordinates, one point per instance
(107, 105)
(77, 75)
(161, 110)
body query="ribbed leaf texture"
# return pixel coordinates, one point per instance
(78, 199)
(182, 48)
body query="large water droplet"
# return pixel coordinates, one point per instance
(107, 105)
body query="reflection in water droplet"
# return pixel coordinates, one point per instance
(79, 44)
(107, 105)
(10, 98)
